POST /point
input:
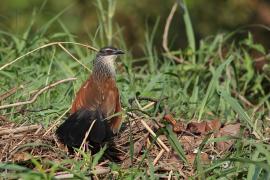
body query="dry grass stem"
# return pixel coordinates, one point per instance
(69, 53)
(160, 142)
(39, 92)
(56, 122)
(44, 46)
(10, 92)
(262, 58)
(158, 156)
(85, 137)
(165, 35)
(64, 176)
(170, 175)
(148, 105)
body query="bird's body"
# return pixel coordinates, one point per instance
(97, 102)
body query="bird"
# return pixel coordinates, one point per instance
(96, 107)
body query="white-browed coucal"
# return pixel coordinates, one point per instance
(97, 102)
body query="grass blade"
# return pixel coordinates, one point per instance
(213, 85)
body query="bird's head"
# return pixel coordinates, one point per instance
(106, 57)
(110, 51)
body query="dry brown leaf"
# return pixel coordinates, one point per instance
(213, 125)
(21, 156)
(126, 163)
(203, 127)
(188, 143)
(228, 130)
(177, 125)
(171, 162)
(196, 128)
(138, 145)
(204, 159)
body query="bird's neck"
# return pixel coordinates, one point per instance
(104, 68)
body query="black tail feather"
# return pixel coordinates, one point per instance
(73, 130)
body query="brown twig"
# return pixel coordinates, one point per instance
(99, 170)
(10, 92)
(165, 35)
(34, 98)
(13, 136)
(19, 129)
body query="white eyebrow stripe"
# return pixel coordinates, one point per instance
(110, 49)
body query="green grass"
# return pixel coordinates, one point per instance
(207, 86)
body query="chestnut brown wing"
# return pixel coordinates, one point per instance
(103, 96)
(87, 97)
(111, 105)
(116, 121)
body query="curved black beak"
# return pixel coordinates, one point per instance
(119, 51)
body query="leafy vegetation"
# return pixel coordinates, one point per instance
(218, 80)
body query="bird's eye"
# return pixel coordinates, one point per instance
(109, 51)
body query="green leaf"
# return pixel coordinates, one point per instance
(239, 109)
(98, 156)
(174, 142)
(189, 29)
(213, 85)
